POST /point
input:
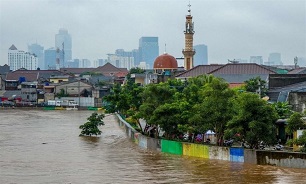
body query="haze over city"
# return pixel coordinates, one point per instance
(230, 29)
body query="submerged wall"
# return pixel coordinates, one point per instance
(233, 154)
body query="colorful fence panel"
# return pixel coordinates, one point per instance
(237, 154)
(196, 150)
(171, 147)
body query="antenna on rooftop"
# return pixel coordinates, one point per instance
(295, 61)
(165, 49)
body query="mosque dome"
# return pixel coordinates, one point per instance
(165, 61)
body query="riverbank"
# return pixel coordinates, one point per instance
(233, 154)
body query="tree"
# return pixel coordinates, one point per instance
(283, 109)
(213, 110)
(170, 116)
(256, 85)
(295, 122)
(253, 120)
(91, 126)
(153, 96)
(301, 141)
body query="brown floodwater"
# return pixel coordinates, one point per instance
(39, 146)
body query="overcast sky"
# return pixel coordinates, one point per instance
(231, 29)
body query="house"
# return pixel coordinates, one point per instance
(74, 88)
(289, 88)
(4, 70)
(59, 78)
(29, 91)
(108, 70)
(15, 78)
(234, 73)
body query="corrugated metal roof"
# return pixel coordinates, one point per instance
(199, 70)
(242, 68)
(76, 70)
(31, 75)
(297, 71)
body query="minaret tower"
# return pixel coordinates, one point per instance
(188, 51)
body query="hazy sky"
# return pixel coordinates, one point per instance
(231, 29)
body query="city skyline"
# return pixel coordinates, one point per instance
(230, 29)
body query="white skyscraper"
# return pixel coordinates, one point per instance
(64, 43)
(20, 59)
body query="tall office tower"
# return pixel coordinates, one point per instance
(148, 50)
(188, 52)
(135, 53)
(275, 59)
(63, 42)
(85, 63)
(20, 59)
(73, 63)
(38, 50)
(50, 59)
(121, 59)
(201, 56)
(256, 59)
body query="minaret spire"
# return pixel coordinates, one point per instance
(189, 10)
(188, 52)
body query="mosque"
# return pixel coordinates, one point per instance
(165, 66)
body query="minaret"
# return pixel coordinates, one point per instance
(188, 51)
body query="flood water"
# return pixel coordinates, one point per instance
(39, 146)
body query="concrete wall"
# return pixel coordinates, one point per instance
(283, 159)
(250, 156)
(219, 153)
(233, 154)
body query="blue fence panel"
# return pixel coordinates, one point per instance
(237, 154)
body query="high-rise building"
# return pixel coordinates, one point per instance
(189, 52)
(64, 44)
(84, 63)
(20, 59)
(50, 58)
(256, 59)
(73, 63)
(135, 53)
(275, 59)
(201, 56)
(122, 59)
(38, 50)
(148, 50)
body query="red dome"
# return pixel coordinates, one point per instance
(165, 61)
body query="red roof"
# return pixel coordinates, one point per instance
(165, 61)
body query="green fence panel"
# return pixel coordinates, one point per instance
(171, 147)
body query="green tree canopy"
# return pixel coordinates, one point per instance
(301, 141)
(253, 120)
(91, 127)
(295, 122)
(283, 109)
(256, 85)
(213, 108)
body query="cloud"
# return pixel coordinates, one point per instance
(230, 29)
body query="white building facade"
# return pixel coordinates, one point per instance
(20, 59)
